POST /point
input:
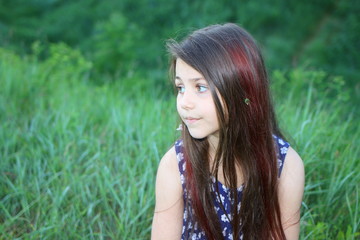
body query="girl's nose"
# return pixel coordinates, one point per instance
(187, 100)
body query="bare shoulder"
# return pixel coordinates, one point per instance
(291, 190)
(169, 159)
(167, 220)
(293, 167)
(168, 185)
(292, 179)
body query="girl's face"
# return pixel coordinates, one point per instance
(195, 103)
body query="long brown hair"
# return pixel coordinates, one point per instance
(229, 59)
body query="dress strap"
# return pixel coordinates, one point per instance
(282, 148)
(179, 149)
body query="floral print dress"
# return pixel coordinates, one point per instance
(192, 230)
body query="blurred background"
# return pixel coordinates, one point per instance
(87, 109)
(119, 37)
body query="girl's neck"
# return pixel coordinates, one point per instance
(213, 145)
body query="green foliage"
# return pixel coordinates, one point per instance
(30, 84)
(324, 128)
(79, 160)
(349, 234)
(118, 35)
(63, 60)
(115, 44)
(325, 88)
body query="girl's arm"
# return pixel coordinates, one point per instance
(167, 220)
(291, 189)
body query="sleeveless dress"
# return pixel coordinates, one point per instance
(191, 230)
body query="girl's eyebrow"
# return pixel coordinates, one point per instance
(191, 79)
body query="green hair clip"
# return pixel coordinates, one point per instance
(247, 101)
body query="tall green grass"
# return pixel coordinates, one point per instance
(78, 161)
(326, 134)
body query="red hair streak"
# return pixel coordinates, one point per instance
(195, 201)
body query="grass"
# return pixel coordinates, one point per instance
(78, 160)
(326, 134)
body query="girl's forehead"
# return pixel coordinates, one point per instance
(184, 71)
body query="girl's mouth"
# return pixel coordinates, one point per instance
(190, 120)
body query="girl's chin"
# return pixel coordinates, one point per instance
(197, 135)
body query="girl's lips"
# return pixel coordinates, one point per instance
(190, 120)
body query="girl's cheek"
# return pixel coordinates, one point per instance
(178, 104)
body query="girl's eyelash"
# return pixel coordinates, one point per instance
(202, 88)
(180, 88)
(199, 88)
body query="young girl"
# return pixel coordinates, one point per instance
(232, 175)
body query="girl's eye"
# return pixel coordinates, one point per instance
(201, 88)
(180, 89)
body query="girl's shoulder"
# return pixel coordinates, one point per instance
(168, 169)
(291, 189)
(167, 221)
(168, 185)
(293, 166)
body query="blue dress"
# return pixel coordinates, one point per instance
(192, 230)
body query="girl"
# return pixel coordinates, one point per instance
(231, 175)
